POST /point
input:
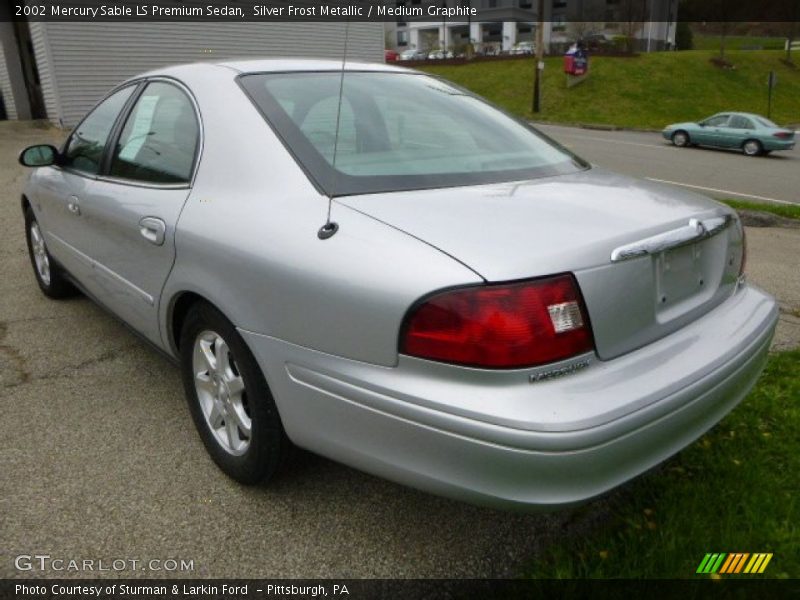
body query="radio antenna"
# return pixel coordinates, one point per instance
(330, 227)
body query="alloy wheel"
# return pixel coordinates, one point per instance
(221, 393)
(752, 148)
(40, 253)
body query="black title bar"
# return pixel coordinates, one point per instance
(400, 11)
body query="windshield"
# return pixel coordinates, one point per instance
(399, 131)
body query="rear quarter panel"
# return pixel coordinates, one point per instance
(247, 242)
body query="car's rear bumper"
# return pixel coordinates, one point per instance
(777, 144)
(576, 436)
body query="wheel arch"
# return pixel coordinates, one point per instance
(179, 307)
(25, 204)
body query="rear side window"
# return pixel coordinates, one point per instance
(159, 141)
(84, 149)
(739, 122)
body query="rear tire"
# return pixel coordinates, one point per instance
(752, 148)
(49, 275)
(681, 139)
(229, 398)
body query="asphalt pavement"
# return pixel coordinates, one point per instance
(716, 173)
(100, 460)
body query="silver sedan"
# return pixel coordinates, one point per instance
(380, 267)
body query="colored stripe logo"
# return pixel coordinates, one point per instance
(734, 563)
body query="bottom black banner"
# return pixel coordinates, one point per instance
(221, 589)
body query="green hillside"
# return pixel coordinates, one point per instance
(648, 91)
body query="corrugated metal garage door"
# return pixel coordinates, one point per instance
(79, 62)
(5, 87)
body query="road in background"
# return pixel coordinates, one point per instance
(717, 173)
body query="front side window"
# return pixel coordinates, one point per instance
(84, 149)
(717, 121)
(159, 140)
(399, 131)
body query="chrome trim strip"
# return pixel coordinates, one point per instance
(694, 231)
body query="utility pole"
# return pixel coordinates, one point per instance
(537, 76)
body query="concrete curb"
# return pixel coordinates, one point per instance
(596, 127)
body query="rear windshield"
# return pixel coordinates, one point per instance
(766, 122)
(399, 131)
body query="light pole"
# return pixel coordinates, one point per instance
(537, 76)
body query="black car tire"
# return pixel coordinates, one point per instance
(681, 139)
(268, 446)
(752, 148)
(56, 286)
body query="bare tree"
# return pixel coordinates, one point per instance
(631, 15)
(577, 30)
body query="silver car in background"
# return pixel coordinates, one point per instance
(380, 267)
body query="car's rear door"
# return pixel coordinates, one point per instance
(133, 207)
(736, 131)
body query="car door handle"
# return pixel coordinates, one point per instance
(153, 230)
(73, 206)
(696, 230)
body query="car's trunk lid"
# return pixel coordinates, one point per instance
(573, 224)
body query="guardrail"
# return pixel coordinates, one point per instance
(795, 45)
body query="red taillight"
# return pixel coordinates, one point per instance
(784, 135)
(501, 326)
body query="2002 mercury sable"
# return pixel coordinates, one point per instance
(476, 312)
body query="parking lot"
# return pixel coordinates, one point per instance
(100, 459)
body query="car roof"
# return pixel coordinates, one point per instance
(278, 65)
(736, 113)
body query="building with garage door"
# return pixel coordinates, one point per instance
(59, 70)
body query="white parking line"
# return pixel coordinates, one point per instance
(708, 189)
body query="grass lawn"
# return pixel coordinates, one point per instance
(735, 490)
(737, 42)
(782, 210)
(648, 91)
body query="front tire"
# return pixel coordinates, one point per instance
(681, 139)
(229, 398)
(752, 148)
(49, 275)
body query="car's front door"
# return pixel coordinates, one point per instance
(132, 209)
(710, 132)
(61, 188)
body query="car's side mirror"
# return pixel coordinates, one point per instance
(41, 155)
(702, 124)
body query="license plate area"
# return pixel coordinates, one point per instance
(685, 277)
